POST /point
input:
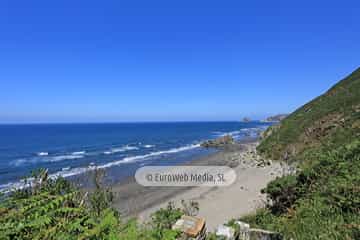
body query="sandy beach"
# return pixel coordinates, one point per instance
(217, 204)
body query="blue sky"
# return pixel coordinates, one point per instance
(99, 61)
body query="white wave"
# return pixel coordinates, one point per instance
(80, 170)
(135, 158)
(79, 153)
(121, 149)
(72, 172)
(7, 187)
(242, 132)
(233, 133)
(222, 134)
(149, 146)
(18, 162)
(32, 160)
(65, 172)
(64, 157)
(43, 154)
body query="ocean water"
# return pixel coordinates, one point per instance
(73, 149)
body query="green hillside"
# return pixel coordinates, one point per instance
(322, 200)
(330, 120)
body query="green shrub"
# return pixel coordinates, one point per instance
(53, 209)
(321, 202)
(166, 217)
(283, 192)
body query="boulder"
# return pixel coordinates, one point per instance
(244, 230)
(219, 142)
(247, 233)
(259, 234)
(225, 232)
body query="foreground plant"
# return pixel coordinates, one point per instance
(48, 208)
(321, 202)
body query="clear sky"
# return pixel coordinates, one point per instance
(98, 61)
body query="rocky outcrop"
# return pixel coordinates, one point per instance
(276, 118)
(244, 232)
(246, 119)
(219, 142)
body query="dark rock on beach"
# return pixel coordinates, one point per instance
(219, 142)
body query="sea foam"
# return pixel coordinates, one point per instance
(149, 146)
(43, 154)
(121, 149)
(79, 153)
(32, 160)
(64, 157)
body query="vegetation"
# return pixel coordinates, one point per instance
(330, 120)
(322, 201)
(54, 209)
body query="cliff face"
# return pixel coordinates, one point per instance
(330, 119)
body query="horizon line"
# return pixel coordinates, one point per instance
(125, 122)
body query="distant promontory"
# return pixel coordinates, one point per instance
(276, 118)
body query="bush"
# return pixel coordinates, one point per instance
(53, 209)
(283, 192)
(321, 202)
(166, 217)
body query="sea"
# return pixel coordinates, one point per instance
(72, 150)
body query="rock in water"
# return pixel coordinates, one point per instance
(246, 119)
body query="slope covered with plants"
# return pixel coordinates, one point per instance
(322, 200)
(54, 209)
(331, 119)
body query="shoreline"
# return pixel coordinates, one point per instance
(132, 198)
(217, 204)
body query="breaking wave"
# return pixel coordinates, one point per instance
(245, 132)
(149, 146)
(79, 153)
(120, 149)
(45, 158)
(42, 153)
